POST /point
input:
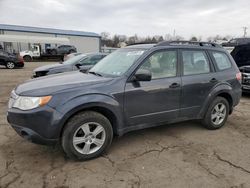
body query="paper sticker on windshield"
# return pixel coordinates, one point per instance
(135, 53)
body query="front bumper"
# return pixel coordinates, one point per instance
(245, 88)
(40, 125)
(246, 82)
(32, 136)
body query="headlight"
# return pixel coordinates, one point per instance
(28, 103)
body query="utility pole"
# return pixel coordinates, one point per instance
(245, 31)
(174, 34)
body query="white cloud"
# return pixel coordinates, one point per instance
(144, 17)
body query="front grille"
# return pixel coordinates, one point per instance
(246, 78)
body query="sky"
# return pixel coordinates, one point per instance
(128, 17)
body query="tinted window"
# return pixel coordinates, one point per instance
(195, 62)
(161, 64)
(221, 60)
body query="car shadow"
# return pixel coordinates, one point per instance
(56, 152)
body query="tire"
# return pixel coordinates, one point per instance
(10, 65)
(53, 52)
(27, 58)
(214, 119)
(76, 129)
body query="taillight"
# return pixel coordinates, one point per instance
(239, 76)
(20, 58)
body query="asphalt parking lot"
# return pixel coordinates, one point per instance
(179, 155)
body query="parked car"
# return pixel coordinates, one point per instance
(245, 70)
(61, 50)
(241, 55)
(83, 62)
(10, 61)
(135, 87)
(68, 56)
(236, 41)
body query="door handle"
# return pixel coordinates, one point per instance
(213, 80)
(174, 85)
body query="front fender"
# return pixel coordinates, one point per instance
(217, 90)
(77, 104)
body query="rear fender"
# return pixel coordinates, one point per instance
(217, 90)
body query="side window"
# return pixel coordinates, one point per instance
(85, 61)
(221, 60)
(195, 62)
(95, 59)
(91, 60)
(162, 64)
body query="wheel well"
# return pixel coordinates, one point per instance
(104, 111)
(229, 99)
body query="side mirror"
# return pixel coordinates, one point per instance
(78, 65)
(143, 75)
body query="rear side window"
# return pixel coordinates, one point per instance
(195, 62)
(221, 60)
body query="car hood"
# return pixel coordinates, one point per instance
(49, 67)
(51, 84)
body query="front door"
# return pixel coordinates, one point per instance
(157, 100)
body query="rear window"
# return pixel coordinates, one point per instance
(222, 61)
(195, 62)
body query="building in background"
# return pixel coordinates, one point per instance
(14, 38)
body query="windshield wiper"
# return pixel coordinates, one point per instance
(95, 73)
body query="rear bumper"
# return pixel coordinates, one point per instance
(19, 64)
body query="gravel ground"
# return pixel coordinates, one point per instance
(179, 155)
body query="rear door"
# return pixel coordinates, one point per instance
(198, 78)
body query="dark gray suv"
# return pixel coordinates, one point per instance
(133, 88)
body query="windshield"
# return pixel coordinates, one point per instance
(73, 60)
(118, 62)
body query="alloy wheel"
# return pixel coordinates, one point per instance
(10, 65)
(218, 114)
(89, 138)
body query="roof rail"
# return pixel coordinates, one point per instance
(138, 43)
(206, 44)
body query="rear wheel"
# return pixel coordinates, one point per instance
(27, 58)
(87, 135)
(217, 114)
(10, 65)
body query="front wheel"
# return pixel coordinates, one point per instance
(87, 135)
(53, 52)
(10, 65)
(217, 114)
